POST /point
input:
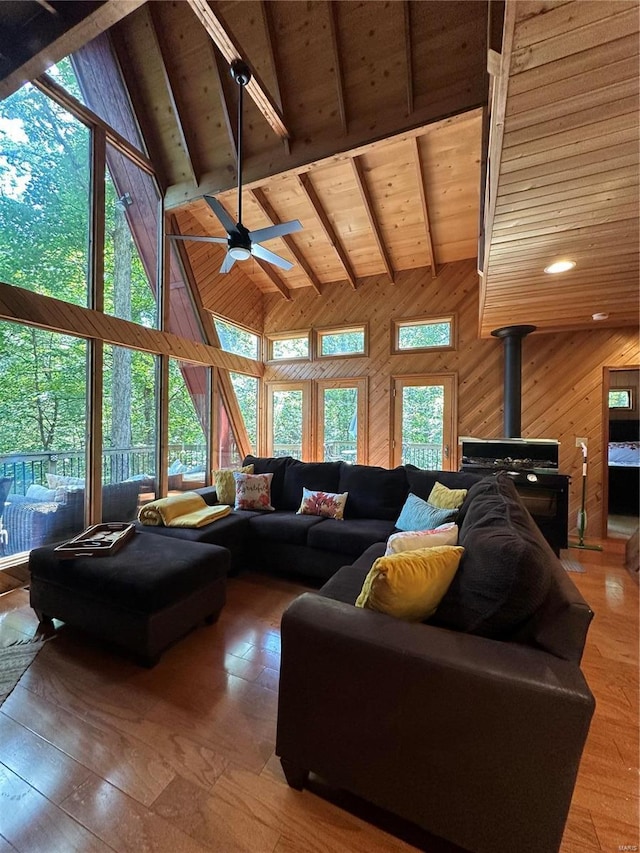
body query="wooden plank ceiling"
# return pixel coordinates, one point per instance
(363, 121)
(566, 172)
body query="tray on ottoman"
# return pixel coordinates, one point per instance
(141, 598)
(99, 540)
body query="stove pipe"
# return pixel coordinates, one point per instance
(512, 337)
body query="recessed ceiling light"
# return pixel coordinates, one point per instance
(601, 315)
(560, 266)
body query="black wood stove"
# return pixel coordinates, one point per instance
(531, 463)
(533, 467)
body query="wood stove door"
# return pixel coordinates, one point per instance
(424, 418)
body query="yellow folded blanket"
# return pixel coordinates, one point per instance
(185, 510)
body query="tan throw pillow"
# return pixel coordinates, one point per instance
(445, 498)
(413, 540)
(226, 485)
(410, 585)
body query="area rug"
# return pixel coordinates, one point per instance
(570, 565)
(14, 660)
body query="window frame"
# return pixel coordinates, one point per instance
(270, 337)
(306, 387)
(405, 322)
(325, 331)
(361, 384)
(243, 328)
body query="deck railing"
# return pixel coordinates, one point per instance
(422, 455)
(118, 464)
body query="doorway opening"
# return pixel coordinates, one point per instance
(621, 448)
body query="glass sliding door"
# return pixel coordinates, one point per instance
(424, 422)
(342, 420)
(289, 419)
(43, 423)
(129, 432)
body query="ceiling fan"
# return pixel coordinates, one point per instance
(242, 243)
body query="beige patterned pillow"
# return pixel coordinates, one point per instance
(226, 485)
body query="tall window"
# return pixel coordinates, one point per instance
(342, 419)
(132, 206)
(246, 390)
(130, 432)
(289, 419)
(188, 424)
(42, 436)
(44, 196)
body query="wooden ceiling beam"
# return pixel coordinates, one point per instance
(423, 202)
(184, 126)
(408, 55)
(337, 65)
(304, 182)
(275, 279)
(264, 204)
(104, 17)
(272, 49)
(218, 30)
(361, 183)
(223, 81)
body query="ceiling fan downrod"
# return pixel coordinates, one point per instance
(241, 73)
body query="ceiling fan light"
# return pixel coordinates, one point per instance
(239, 253)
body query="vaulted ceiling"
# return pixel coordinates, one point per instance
(364, 121)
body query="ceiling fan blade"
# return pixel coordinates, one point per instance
(266, 255)
(197, 239)
(272, 231)
(227, 222)
(228, 262)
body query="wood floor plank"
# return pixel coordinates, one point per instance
(123, 823)
(213, 821)
(580, 833)
(122, 760)
(42, 765)
(32, 824)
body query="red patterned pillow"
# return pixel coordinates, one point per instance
(253, 491)
(326, 504)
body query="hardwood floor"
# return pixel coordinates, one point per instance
(97, 754)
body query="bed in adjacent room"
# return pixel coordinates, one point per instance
(624, 467)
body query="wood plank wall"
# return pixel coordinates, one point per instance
(562, 373)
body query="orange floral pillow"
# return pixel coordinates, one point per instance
(326, 504)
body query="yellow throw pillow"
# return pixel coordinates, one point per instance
(412, 584)
(445, 498)
(226, 485)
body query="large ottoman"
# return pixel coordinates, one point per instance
(142, 598)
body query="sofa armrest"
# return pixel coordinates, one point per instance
(455, 732)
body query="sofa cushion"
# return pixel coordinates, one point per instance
(227, 532)
(283, 526)
(316, 476)
(505, 573)
(347, 582)
(350, 536)
(421, 482)
(275, 465)
(410, 585)
(373, 492)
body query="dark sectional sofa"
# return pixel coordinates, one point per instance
(284, 542)
(470, 725)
